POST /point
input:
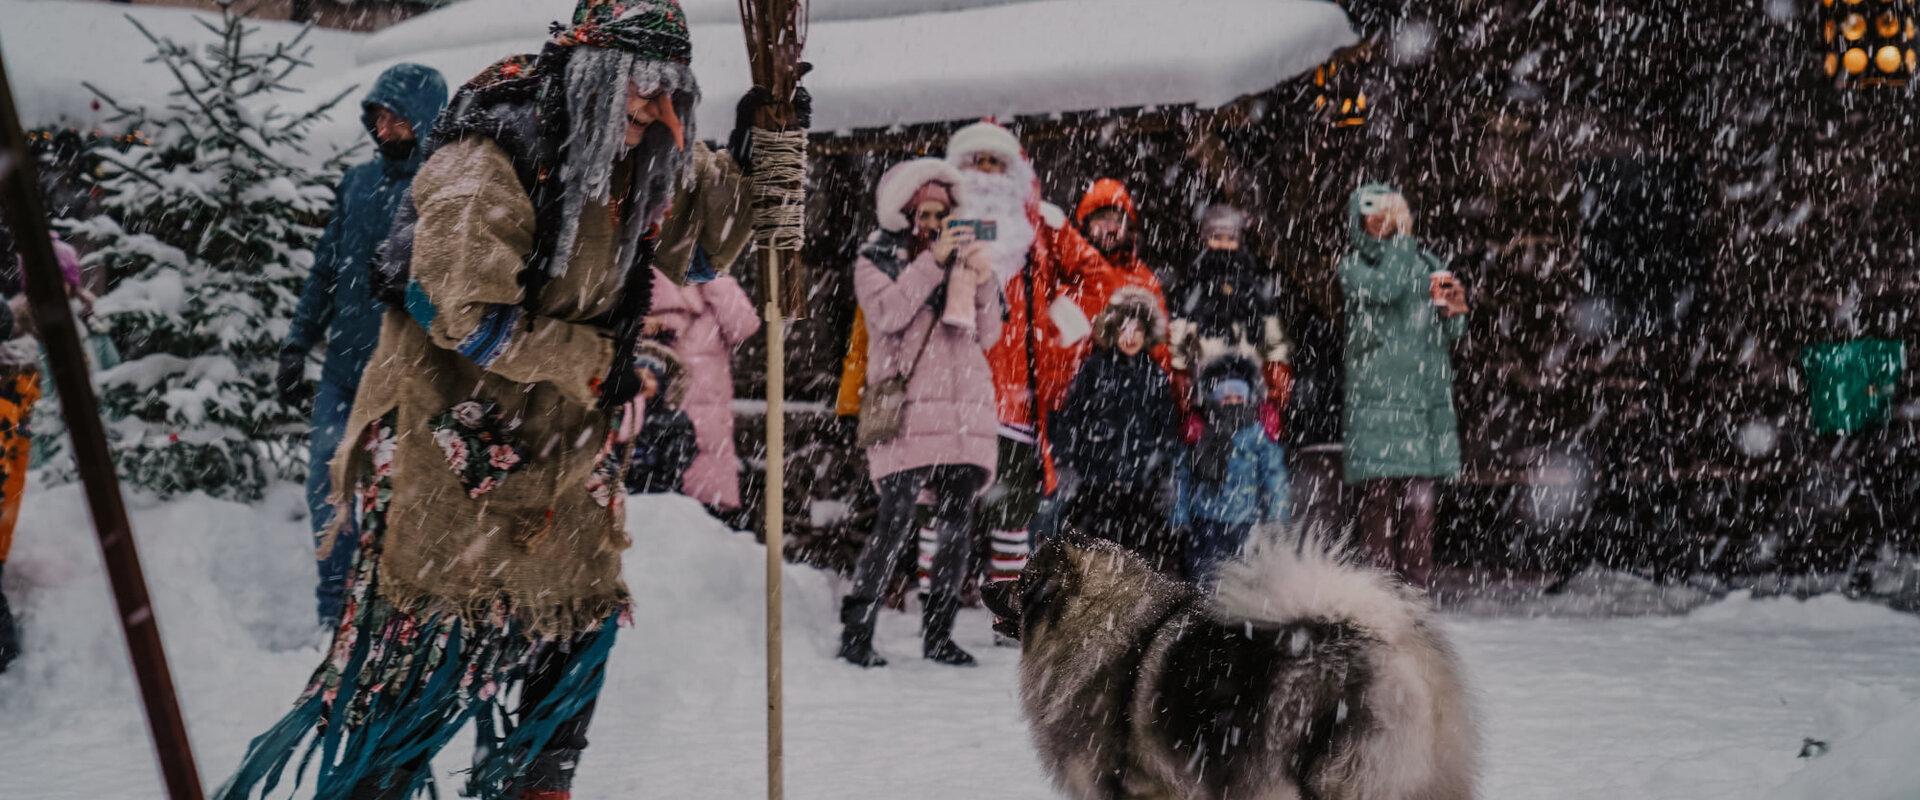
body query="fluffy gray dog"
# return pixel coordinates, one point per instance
(1303, 677)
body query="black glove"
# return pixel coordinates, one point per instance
(291, 380)
(621, 384)
(802, 106)
(740, 142)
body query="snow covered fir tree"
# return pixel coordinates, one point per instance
(207, 228)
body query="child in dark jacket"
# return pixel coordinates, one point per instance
(1114, 436)
(666, 444)
(1234, 473)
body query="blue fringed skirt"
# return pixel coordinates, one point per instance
(396, 687)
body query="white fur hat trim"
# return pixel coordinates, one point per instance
(983, 137)
(900, 182)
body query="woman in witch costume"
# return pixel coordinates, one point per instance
(487, 586)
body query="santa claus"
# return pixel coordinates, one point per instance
(1039, 259)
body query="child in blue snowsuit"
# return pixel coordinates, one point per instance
(1234, 473)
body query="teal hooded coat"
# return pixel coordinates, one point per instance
(1400, 421)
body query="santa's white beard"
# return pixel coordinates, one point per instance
(1002, 200)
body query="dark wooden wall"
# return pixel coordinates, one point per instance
(1513, 131)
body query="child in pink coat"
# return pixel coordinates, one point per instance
(704, 323)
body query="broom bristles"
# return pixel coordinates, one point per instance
(776, 32)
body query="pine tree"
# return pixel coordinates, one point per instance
(207, 230)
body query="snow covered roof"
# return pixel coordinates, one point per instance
(988, 58)
(877, 63)
(52, 46)
(471, 22)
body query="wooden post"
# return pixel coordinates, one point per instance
(60, 334)
(775, 501)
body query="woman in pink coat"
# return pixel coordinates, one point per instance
(704, 322)
(932, 308)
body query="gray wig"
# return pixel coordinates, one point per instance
(597, 113)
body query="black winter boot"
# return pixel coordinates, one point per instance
(856, 634)
(937, 632)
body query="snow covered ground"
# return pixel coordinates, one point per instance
(1713, 704)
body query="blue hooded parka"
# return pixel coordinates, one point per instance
(337, 299)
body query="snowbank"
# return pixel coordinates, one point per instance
(237, 580)
(233, 588)
(52, 47)
(1041, 57)
(1593, 592)
(1827, 612)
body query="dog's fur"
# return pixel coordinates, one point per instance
(1303, 677)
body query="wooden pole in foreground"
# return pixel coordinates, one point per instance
(775, 501)
(775, 36)
(60, 334)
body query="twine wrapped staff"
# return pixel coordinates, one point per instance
(776, 32)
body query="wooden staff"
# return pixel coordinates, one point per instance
(60, 334)
(776, 35)
(776, 521)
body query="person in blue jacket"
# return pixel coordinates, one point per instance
(1234, 473)
(337, 300)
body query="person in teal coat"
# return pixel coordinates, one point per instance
(337, 302)
(1404, 311)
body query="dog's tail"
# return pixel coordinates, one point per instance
(1414, 736)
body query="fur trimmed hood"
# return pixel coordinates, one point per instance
(1130, 303)
(1216, 357)
(675, 390)
(902, 181)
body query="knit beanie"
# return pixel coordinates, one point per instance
(1231, 387)
(662, 372)
(1221, 218)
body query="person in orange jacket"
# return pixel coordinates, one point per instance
(1110, 222)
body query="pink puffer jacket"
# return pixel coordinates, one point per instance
(708, 321)
(950, 415)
